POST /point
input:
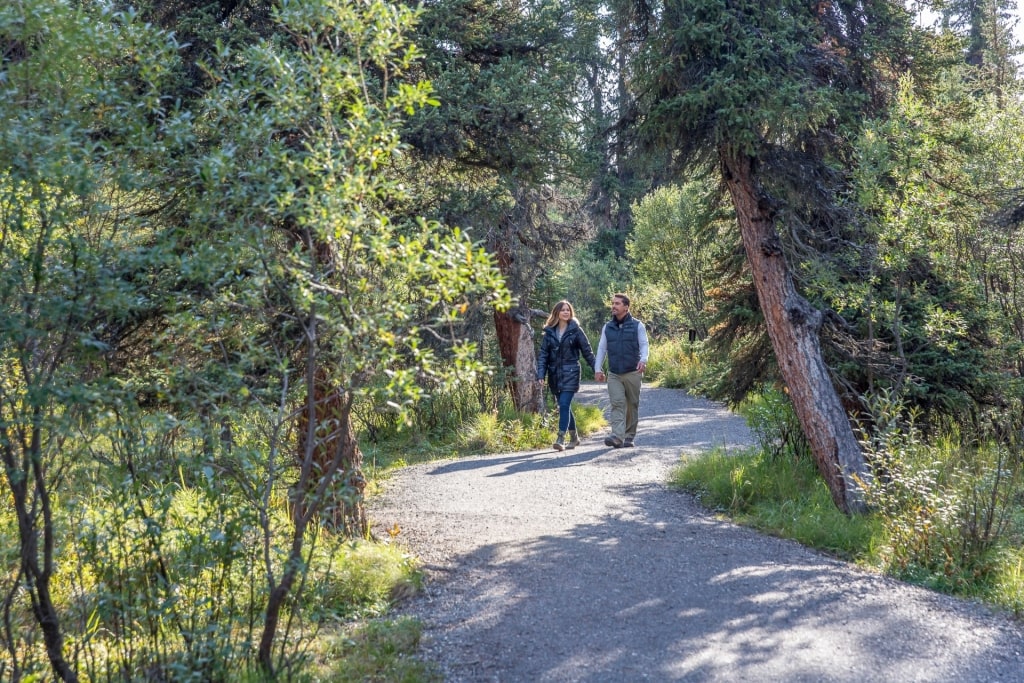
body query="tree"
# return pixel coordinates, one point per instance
(766, 92)
(79, 88)
(922, 291)
(170, 270)
(679, 234)
(620, 171)
(299, 188)
(500, 154)
(987, 27)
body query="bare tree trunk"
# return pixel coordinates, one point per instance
(793, 327)
(327, 450)
(30, 493)
(515, 343)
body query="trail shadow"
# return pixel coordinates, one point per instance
(645, 585)
(663, 594)
(532, 460)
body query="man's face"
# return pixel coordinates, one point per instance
(619, 309)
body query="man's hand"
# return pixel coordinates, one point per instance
(641, 366)
(599, 376)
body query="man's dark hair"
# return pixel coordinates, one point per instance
(623, 297)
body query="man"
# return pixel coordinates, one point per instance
(624, 342)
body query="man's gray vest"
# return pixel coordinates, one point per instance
(622, 340)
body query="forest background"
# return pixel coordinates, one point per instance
(255, 254)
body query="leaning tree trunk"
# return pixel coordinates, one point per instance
(515, 343)
(793, 327)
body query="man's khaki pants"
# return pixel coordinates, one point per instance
(624, 395)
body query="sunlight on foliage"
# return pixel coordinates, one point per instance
(506, 431)
(676, 364)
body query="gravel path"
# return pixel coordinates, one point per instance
(584, 566)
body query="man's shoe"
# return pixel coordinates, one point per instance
(559, 444)
(613, 441)
(574, 440)
(628, 443)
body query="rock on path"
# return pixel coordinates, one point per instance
(583, 566)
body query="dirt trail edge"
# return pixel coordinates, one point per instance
(583, 566)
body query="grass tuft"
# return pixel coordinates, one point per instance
(508, 431)
(377, 651)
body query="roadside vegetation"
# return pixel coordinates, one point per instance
(194, 533)
(499, 428)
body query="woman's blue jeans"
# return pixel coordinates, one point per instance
(566, 421)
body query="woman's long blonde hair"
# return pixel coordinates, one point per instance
(552, 320)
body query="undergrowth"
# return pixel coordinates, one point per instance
(375, 651)
(675, 364)
(781, 496)
(503, 430)
(944, 514)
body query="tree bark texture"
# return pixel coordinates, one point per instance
(793, 327)
(515, 344)
(333, 453)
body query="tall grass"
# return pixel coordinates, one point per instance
(506, 431)
(782, 496)
(676, 364)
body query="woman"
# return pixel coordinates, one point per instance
(559, 361)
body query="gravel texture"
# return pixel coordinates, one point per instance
(583, 566)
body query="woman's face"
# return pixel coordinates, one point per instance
(565, 314)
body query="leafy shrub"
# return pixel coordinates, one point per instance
(771, 417)
(676, 364)
(944, 507)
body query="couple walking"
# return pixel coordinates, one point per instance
(623, 344)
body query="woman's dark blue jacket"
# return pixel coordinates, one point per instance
(559, 360)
